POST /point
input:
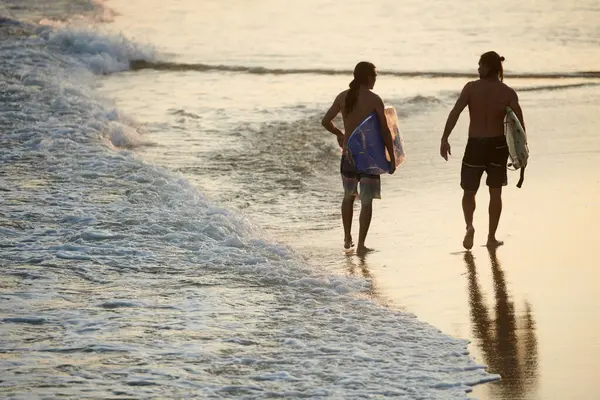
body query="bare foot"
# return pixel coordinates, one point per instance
(469, 236)
(348, 242)
(493, 242)
(361, 250)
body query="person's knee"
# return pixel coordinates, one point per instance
(349, 198)
(469, 194)
(496, 193)
(366, 204)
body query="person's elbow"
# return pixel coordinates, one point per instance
(325, 122)
(455, 113)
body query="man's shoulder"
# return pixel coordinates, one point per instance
(342, 95)
(374, 96)
(470, 85)
(507, 92)
(508, 88)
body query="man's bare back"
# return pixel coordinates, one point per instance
(487, 101)
(366, 103)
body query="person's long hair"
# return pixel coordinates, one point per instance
(362, 72)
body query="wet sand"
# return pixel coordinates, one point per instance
(530, 307)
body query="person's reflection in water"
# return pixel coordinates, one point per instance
(509, 348)
(364, 271)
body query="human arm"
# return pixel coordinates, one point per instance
(385, 132)
(327, 120)
(514, 105)
(459, 106)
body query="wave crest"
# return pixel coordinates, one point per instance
(140, 64)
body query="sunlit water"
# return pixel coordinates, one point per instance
(158, 225)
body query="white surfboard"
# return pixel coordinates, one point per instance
(516, 139)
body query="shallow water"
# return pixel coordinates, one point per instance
(171, 230)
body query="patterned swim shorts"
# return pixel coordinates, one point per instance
(370, 185)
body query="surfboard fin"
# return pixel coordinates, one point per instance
(521, 178)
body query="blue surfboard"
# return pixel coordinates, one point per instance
(365, 147)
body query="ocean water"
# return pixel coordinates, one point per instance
(166, 188)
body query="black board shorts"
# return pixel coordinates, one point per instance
(484, 155)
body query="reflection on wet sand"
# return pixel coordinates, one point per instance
(508, 343)
(363, 269)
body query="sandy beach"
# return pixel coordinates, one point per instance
(170, 223)
(529, 307)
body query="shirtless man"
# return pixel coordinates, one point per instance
(355, 105)
(486, 149)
